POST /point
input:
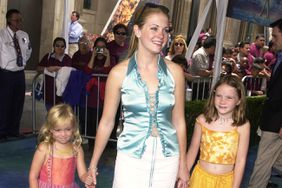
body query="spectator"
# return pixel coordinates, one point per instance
(255, 83)
(182, 61)
(265, 72)
(50, 64)
(15, 51)
(101, 62)
(201, 64)
(256, 47)
(178, 47)
(244, 52)
(227, 58)
(269, 56)
(81, 58)
(118, 47)
(243, 67)
(75, 32)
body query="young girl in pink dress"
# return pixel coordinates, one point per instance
(59, 153)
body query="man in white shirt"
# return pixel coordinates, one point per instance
(15, 50)
(75, 32)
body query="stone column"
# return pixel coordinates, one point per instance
(52, 23)
(3, 11)
(47, 26)
(232, 31)
(180, 16)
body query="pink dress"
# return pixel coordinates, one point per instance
(58, 173)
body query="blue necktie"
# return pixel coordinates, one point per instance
(18, 51)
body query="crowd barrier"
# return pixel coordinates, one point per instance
(254, 85)
(198, 89)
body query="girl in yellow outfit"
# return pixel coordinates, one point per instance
(222, 134)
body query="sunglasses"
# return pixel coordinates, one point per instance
(152, 5)
(59, 46)
(178, 44)
(120, 33)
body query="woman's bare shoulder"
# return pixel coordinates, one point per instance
(175, 69)
(119, 70)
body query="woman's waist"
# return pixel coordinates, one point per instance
(215, 168)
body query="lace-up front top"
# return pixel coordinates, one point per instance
(218, 147)
(147, 114)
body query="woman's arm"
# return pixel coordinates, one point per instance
(91, 61)
(178, 119)
(106, 124)
(243, 146)
(107, 54)
(36, 165)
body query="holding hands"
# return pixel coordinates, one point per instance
(183, 177)
(91, 179)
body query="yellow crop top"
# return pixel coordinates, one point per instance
(218, 147)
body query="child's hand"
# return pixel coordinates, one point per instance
(89, 182)
(93, 172)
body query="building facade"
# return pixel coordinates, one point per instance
(45, 20)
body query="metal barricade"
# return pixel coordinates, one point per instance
(86, 114)
(200, 87)
(254, 85)
(81, 110)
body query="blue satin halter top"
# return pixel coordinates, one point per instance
(137, 117)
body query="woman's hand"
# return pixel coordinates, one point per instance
(183, 177)
(93, 172)
(106, 53)
(89, 181)
(53, 68)
(94, 52)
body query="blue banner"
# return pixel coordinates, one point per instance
(262, 12)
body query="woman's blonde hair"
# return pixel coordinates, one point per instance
(59, 114)
(139, 19)
(238, 116)
(181, 38)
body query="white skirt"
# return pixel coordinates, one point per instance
(153, 170)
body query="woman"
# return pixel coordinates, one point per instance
(118, 47)
(101, 62)
(50, 64)
(151, 148)
(178, 47)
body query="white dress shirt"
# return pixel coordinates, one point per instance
(8, 55)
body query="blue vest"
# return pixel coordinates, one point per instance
(137, 116)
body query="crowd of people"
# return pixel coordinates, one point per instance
(146, 86)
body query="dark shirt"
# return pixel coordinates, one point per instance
(272, 110)
(79, 61)
(117, 51)
(47, 61)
